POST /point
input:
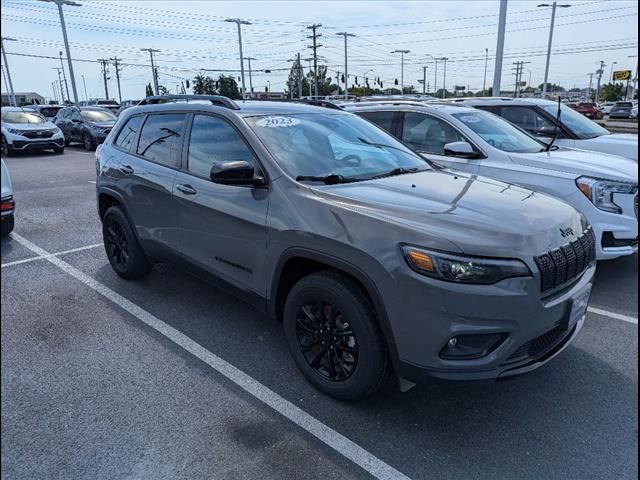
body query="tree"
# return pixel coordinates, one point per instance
(162, 90)
(296, 74)
(612, 92)
(228, 87)
(204, 85)
(409, 90)
(552, 87)
(149, 90)
(325, 87)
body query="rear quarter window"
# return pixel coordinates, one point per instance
(128, 133)
(161, 138)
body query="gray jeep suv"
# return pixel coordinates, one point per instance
(373, 258)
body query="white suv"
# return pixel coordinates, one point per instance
(603, 187)
(537, 117)
(26, 130)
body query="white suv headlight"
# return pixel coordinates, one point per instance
(15, 131)
(601, 192)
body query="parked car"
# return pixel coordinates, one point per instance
(606, 107)
(109, 104)
(621, 110)
(538, 118)
(7, 203)
(47, 111)
(370, 255)
(589, 110)
(602, 187)
(634, 111)
(127, 104)
(25, 130)
(86, 125)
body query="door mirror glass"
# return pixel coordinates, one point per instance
(546, 129)
(460, 150)
(237, 172)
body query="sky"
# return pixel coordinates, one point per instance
(193, 35)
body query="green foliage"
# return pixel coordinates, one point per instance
(612, 92)
(162, 90)
(325, 87)
(228, 87)
(296, 74)
(204, 85)
(148, 90)
(552, 87)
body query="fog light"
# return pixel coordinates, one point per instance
(466, 347)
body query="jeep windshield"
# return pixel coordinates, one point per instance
(580, 125)
(498, 132)
(333, 148)
(22, 117)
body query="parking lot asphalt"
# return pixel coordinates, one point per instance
(91, 389)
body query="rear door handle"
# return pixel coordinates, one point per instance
(186, 189)
(126, 169)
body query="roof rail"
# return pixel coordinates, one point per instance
(214, 99)
(317, 103)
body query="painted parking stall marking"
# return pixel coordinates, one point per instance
(44, 257)
(335, 440)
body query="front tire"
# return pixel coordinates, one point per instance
(123, 250)
(88, 142)
(333, 336)
(58, 150)
(7, 151)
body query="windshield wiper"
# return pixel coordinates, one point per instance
(555, 131)
(327, 179)
(396, 171)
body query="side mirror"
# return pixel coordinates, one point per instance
(460, 150)
(546, 129)
(238, 172)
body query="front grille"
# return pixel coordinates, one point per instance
(563, 265)
(38, 134)
(539, 346)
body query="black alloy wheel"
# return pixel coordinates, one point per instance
(117, 245)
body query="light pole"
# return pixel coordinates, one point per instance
(424, 79)
(59, 4)
(599, 72)
(401, 52)
(12, 96)
(64, 76)
(611, 72)
(309, 60)
(239, 22)
(635, 79)
(84, 84)
(553, 6)
(435, 74)
(346, 76)
(497, 70)
(486, 61)
(444, 80)
(248, 59)
(154, 77)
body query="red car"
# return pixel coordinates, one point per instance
(589, 110)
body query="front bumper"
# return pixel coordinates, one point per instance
(533, 329)
(24, 144)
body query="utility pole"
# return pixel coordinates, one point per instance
(346, 71)
(553, 6)
(53, 87)
(424, 80)
(315, 47)
(309, 60)
(444, 80)
(84, 85)
(635, 80)
(154, 76)
(518, 66)
(59, 4)
(12, 95)
(104, 69)
(590, 84)
(250, 80)
(60, 84)
(239, 22)
(486, 62)
(599, 72)
(117, 67)
(497, 71)
(401, 52)
(299, 77)
(66, 85)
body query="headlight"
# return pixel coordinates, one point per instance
(601, 192)
(15, 131)
(461, 269)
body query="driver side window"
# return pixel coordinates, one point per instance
(75, 116)
(428, 134)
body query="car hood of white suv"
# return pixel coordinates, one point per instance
(31, 126)
(581, 162)
(623, 144)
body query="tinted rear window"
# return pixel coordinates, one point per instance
(49, 112)
(382, 119)
(128, 133)
(161, 138)
(624, 104)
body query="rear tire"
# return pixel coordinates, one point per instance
(123, 250)
(6, 226)
(333, 336)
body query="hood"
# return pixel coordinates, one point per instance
(31, 126)
(623, 144)
(581, 162)
(479, 215)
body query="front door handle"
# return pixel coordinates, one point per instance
(126, 169)
(186, 189)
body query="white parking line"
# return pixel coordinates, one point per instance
(44, 257)
(322, 432)
(616, 316)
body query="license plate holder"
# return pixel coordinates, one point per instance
(579, 307)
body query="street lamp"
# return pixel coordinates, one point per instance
(346, 75)
(401, 52)
(12, 96)
(59, 4)
(486, 61)
(611, 73)
(444, 79)
(154, 72)
(635, 78)
(553, 6)
(435, 74)
(250, 80)
(239, 22)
